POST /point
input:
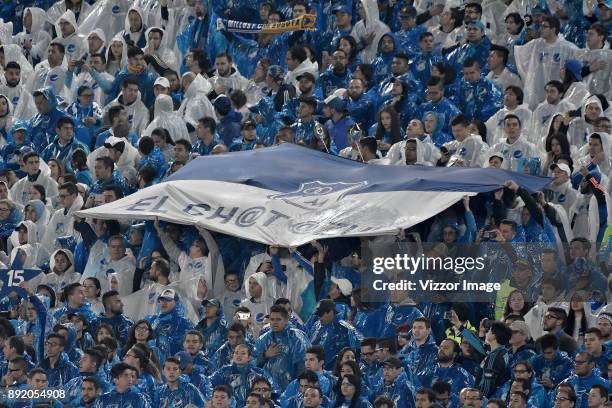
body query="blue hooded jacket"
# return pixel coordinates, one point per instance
(73, 387)
(63, 371)
(455, 375)
(401, 391)
(479, 100)
(334, 337)
(146, 79)
(116, 179)
(214, 335)
(64, 153)
(398, 315)
(421, 358)
(43, 125)
(446, 112)
(131, 397)
(289, 363)
(120, 324)
(582, 386)
(239, 379)
(185, 394)
(170, 329)
(382, 63)
(370, 322)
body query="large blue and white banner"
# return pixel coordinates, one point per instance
(289, 195)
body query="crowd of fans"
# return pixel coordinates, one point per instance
(102, 98)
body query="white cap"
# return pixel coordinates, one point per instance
(345, 285)
(163, 81)
(561, 166)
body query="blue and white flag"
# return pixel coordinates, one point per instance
(289, 195)
(10, 279)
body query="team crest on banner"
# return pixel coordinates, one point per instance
(316, 195)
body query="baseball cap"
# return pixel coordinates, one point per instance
(306, 75)
(605, 3)
(276, 72)
(248, 124)
(184, 359)
(337, 103)
(325, 306)
(408, 11)
(477, 24)
(168, 294)
(214, 302)
(345, 285)
(393, 362)
(342, 9)
(520, 326)
(561, 166)
(163, 81)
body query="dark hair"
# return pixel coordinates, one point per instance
(114, 111)
(383, 400)
(64, 120)
(353, 43)
(502, 332)
(369, 341)
(318, 351)
(470, 62)
(395, 125)
(68, 291)
(71, 188)
(221, 388)
(561, 139)
(185, 144)
(94, 381)
(101, 56)
(482, 128)
(441, 387)
(35, 371)
(163, 133)
(60, 47)
(12, 65)
(134, 51)
(201, 58)
(146, 145)
(238, 98)
(556, 84)
(512, 116)
(369, 143)
(517, 20)
(79, 159)
(356, 381)
(224, 55)
(108, 295)
(28, 155)
(526, 305)
(96, 283)
(518, 92)
(131, 338)
(447, 71)
(553, 22)
(17, 343)
(435, 81)
(460, 120)
(511, 223)
(120, 368)
(367, 71)
(148, 360)
(95, 355)
(41, 190)
(298, 52)
(54, 335)
(603, 391)
(279, 309)
(130, 80)
(476, 6)
(107, 162)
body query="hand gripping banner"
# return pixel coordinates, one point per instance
(305, 22)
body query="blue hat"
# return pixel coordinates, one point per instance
(338, 104)
(540, 8)
(222, 104)
(575, 67)
(408, 11)
(184, 359)
(477, 24)
(276, 72)
(342, 9)
(207, 302)
(605, 3)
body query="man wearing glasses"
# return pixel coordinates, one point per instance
(57, 365)
(554, 321)
(16, 375)
(583, 379)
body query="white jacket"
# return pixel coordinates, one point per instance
(20, 191)
(61, 224)
(59, 281)
(372, 25)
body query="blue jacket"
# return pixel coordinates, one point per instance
(214, 335)
(64, 153)
(43, 125)
(537, 396)
(338, 131)
(399, 315)
(201, 381)
(401, 391)
(228, 127)
(421, 64)
(409, 39)
(63, 371)
(239, 379)
(479, 100)
(156, 160)
(73, 387)
(454, 375)
(170, 329)
(289, 363)
(421, 358)
(382, 63)
(362, 110)
(334, 337)
(131, 397)
(478, 51)
(120, 324)
(186, 393)
(327, 383)
(328, 81)
(116, 179)
(132, 137)
(582, 386)
(112, 88)
(304, 131)
(85, 310)
(200, 148)
(370, 323)
(524, 353)
(446, 112)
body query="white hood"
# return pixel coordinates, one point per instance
(69, 17)
(39, 18)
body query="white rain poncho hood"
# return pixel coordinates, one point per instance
(196, 104)
(59, 8)
(100, 34)
(372, 24)
(130, 153)
(59, 281)
(164, 52)
(6, 32)
(107, 15)
(39, 18)
(120, 64)
(7, 121)
(31, 227)
(68, 254)
(13, 53)
(74, 44)
(166, 118)
(42, 217)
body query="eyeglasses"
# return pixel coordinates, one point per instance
(551, 317)
(371, 353)
(141, 328)
(562, 399)
(261, 389)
